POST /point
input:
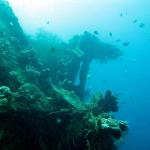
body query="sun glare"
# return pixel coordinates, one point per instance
(64, 15)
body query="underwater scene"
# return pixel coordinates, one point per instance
(74, 75)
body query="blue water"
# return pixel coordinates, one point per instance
(131, 84)
(128, 76)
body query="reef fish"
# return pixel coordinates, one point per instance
(142, 25)
(135, 21)
(121, 14)
(52, 50)
(47, 22)
(96, 32)
(118, 40)
(125, 43)
(110, 34)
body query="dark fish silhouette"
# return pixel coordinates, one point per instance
(52, 50)
(96, 32)
(118, 40)
(125, 44)
(123, 102)
(110, 34)
(142, 25)
(47, 22)
(135, 21)
(121, 14)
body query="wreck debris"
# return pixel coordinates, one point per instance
(40, 107)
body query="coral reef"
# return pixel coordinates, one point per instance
(70, 127)
(41, 107)
(107, 103)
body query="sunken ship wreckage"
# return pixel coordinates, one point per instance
(40, 106)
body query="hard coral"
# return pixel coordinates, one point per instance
(109, 103)
(32, 96)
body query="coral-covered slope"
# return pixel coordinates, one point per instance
(40, 107)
